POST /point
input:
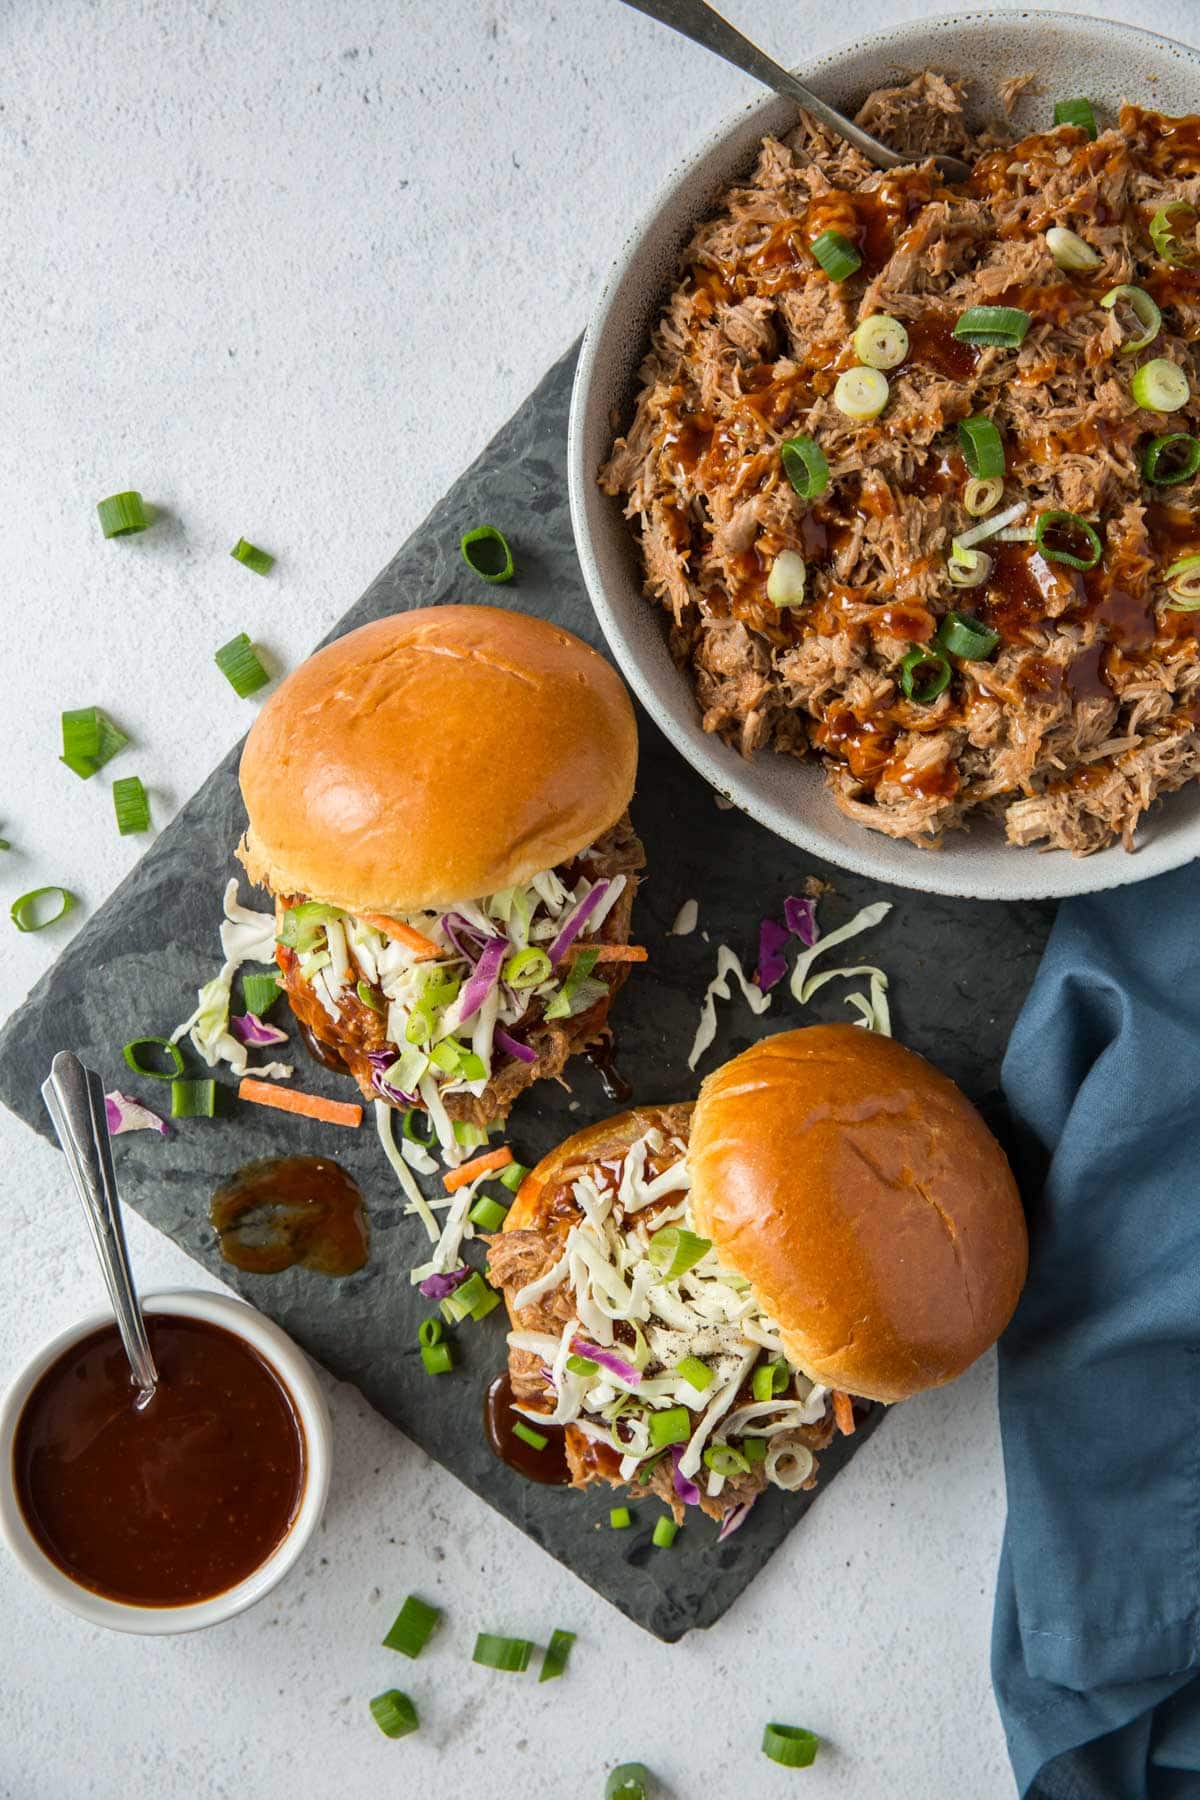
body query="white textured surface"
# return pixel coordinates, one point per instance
(285, 267)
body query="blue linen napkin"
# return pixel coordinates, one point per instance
(1096, 1637)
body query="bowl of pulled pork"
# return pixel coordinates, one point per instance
(887, 488)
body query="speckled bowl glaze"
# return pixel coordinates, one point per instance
(1068, 54)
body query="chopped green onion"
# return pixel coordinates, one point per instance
(1183, 584)
(463, 1301)
(420, 1025)
(620, 1518)
(90, 739)
(1167, 461)
(4, 844)
(861, 393)
(469, 1136)
(488, 1214)
(979, 534)
(414, 1625)
(967, 568)
(26, 908)
(675, 1250)
(1160, 386)
(239, 663)
(368, 996)
(512, 1175)
(959, 634)
(788, 579)
(880, 342)
(485, 550)
(697, 1374)
(790, 1745)
(723, 1459)
(665, 1532)
(671, 1426)
(453, 1058)
(1145, 311)
(526, 968)
(437, 1359)
(122, 515)
(575, 988)
(261, 561)
(194, 1099)
(259, 993)
(528, 1435)
(506, 1653)
(303, 926)
(1070, 252)
(982, 448)
(1076, 112)
(979, 497)
(130, 805)
(170, 1050)
(394, 1713)
(924, 674)
(754, 1449)
(629, 1781)
(1165, 227)
(408, 1127)
(836, 255)
(429, 1333)
(1002, 325)
(554, 1662)
(1057, 536)
(769, 1380)
(582, 1365)
(805, 466)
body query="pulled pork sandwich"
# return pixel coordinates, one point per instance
(701, 1295)
(438, 802)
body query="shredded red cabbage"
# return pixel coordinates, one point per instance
(249, 1029)
(126, 1114)
(511, 1046)
(436, 1287)
(483, 978)
(772, 965)
(733, 1521)
(381, 1061)
(576, 922)
(687, 1490)
(607, 1359)
(800, 917)
(467, 939)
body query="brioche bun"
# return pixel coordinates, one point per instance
(434, 756)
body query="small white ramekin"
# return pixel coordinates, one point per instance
(293, 1369)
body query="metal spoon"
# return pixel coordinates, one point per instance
(74, 1099)
(699, 22)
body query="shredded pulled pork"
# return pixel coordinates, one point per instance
(1089, 709)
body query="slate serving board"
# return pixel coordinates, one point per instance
(959, 972)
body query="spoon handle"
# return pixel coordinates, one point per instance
(74, 1099)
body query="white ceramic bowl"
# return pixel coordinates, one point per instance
(1069, 55)
(293, 1369)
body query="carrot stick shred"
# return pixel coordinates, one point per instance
(408, 935)
(612, 953)
(479, 1165)
(843, 1413)
(308, 1106)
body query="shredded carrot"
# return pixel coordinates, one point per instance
(408, 935)
(612, 952)
(480, 1165)
(309, 1106)
(843, 1412)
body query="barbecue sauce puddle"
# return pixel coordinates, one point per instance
(549, 1466)
(289, 1210)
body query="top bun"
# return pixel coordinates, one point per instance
(866, 1202)
(435, 756)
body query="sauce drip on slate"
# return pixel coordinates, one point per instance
(549, 1465)
(169, 1503)
(326, 1054)
(602, 1058)
(288, 1210)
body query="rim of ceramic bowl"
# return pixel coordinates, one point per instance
(663, 690)
(295, 1373)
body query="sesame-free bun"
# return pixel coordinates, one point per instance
(434, 756)
(867, 1203)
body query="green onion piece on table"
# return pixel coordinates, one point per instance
(671, 1426)
(1070, 252)
(1145, 312)
(4, 844)
(790, 1745)
(193, 1099)
(1173, 234)
(122, 515)
(620, 1518)
(924, 674)
(29, 914)
(172, 1052)
(861, 394)
(1064, 537)
(429, 1333)
(513, 1175)
(554, 1662)
(394, 1713)
(130, 805)
(414, 1625)
(697, 1374)
(1001, 325)
(239, 663)
(471, 1137)
(436, 1359)
(89, 739)
(409, 1128)
(485, 550)
(805, 466)
(675, 1250)
(535, 1439)
(487, 1213)
(1076, 112)
(836, 254)
(665, 1533)
(982, 448)
(1166, 461)
(509, 1654)
(1160, 386)
(629, 1781)
(261, 561)
(259, 993)
(880, 342)
(960, 634)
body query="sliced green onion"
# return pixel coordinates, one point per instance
(512, 1175)
(982, 448)
(576, 989)
(506, 1653)
(239, 663)
(1183, 584)
(979, 497)
(993, 527)
(880, 342)
(453, 1058)
(259, 993)
(1076, 112)
(697, 1374)
(528, 1435)
(861, 393)
(924, 674)
(26, 908)
(469, 1136)
(485, 550)
(1002, 325)
(671, 1426)
(754, 1449)
(665, 1532)
(836, 255)
(1160, 386)
(463, 1301)
(805, 466)
(723, 1459)
(1165, 227)
(437, 1359)
(261, 561)
(554, 1662)
(967, 568)
(122, 515)
(420, 1024)
(959, 634)
(302, 927)
(172, 1051)
(1145, 311)
(1056, 532)
(582, 1365)
(788, 578)
(1166, 461)
(4, 844)
(368, 996)
(488, 1214)
(408, 1127)
(769, 1380)
(620, 1518)
(90, 739)
(194, 1099)
(130, 805)
(526, 968)
(629, 1781)
(429, 1333)
(791, 1745)
(1070, 252)
(414, 1625)
(394, 1713)
(675, 1250)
